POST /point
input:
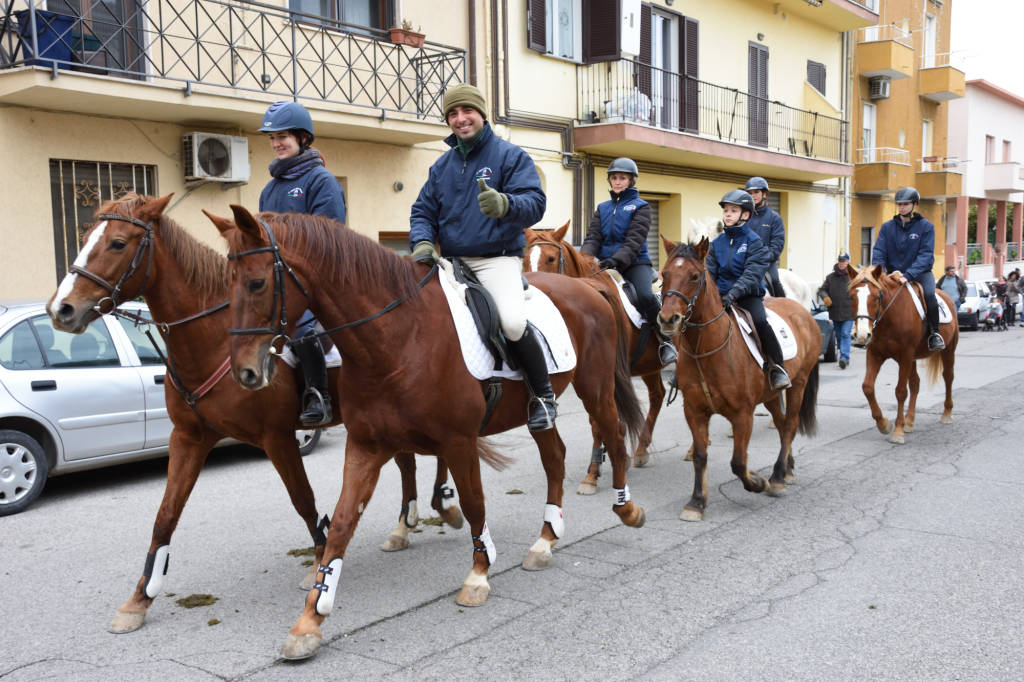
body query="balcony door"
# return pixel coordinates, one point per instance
(107, 35)
(757, 106)
(867, 138)
(664, 67)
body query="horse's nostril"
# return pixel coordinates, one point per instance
(65, 312)
(248, 377)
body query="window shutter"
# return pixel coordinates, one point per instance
(816, 75)
(537, 25)
(643, 75)
(689, 104)
(600, 31)
(757, 99)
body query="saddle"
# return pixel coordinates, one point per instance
(783, 333)
(485, 314)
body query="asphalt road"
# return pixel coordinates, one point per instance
(880, 561)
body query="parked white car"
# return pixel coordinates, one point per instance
(975, 306)
(75, 402)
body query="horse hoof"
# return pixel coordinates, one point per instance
(641, 518)
(946, 419)
(452, 516)
(897, 438)
(394, 543)
(885, 427)
(775, 489)
(641, 458)
(789, 478)
(298, 648)
(587, 488)
(473, 595)
(691, 514)
(538, 558)
(125, 621)
(908, 428)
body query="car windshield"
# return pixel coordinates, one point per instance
(972, 290)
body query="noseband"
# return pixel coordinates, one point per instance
(562, 263)
(144, 247)
(692, 302)
(882, 311)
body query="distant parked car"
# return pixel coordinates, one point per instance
(75, 402)
(974, 309)
(828, 332)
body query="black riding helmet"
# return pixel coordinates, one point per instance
(625, 165)
(740, 198)
(908, 195)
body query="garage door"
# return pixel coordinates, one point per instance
(653, 238)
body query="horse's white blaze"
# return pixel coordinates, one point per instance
(68, 283)
(534, 259)
(679, 262)
(861, 304)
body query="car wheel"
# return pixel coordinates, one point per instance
(23, 471)
(977, 321)
(830, 350)
(308, 438)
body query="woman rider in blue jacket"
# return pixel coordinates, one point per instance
(737, 261)
(617, 238)
(301, 184)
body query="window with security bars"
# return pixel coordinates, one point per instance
(78, 188)
(347, 15)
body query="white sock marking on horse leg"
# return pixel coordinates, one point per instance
(68, 283)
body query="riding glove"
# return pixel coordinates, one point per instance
(424, 252)
(607, 263)
(727, 300)
(493, 203)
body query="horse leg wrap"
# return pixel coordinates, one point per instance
(329, 587)
(446, 494)
(319, 534)
(156, 569)
(488, 545)
(553, 515)
(410, 515)
(597, 455)
(621, 496)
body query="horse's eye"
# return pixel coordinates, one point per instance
(694, 277)
(118, 245)
(255, 285)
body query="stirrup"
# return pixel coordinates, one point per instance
(667, 353)
(935, 342)
(778, 378)
(542, 414)
(317, 408)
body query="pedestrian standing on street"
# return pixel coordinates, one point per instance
(300, 183)
(835, 294)
(906, 246)
(954, 286)
(617, 238)
(1013, 291)
(478, 200)
(767, 224)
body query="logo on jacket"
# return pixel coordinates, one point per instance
(295, 193)
(742, 249)
(485, 173)
(914, 235)
(629, 208)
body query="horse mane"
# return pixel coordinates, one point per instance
(204, 269)
(341, 254)
(684, 250)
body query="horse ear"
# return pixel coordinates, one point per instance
(223, 225)
(669, 245)
(876, 271)
(246, 223)
(702, 248)
(152, 210)
(852, 271)
(560, 232)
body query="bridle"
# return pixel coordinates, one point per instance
(141, 251)
(691, 302)
(881, 297)
(563, 264)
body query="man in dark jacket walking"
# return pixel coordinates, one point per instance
(835, 294)
(477, 201)
(954, 285)
(767, 224)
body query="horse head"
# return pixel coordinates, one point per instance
(113, 265)
(684, 285)
(871, 290)
(550, 251)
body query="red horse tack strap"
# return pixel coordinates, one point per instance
(207, 385)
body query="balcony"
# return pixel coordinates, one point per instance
(939, 178)
(200, 62)
(882, 170)
(633, 109)
(939, 80)
(839, 15)
(1004, 178)
(884, 51)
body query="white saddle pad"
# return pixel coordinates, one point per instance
(783, 333)
(558, 350)
(944, 314)
(631, 311)
(333, 358)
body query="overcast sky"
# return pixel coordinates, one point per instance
(989, 36)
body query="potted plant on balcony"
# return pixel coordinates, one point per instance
(405, 35)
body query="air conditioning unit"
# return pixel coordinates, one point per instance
(218, 158)
(878, 87)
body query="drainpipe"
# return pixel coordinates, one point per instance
(472, 42)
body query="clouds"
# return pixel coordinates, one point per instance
(986, 35)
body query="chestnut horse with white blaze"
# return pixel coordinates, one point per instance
(135, 250)
(717, 374)
(889, 325)
(404, 384)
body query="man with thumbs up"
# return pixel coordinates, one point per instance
(477, 201)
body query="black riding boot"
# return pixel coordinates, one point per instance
(316, 399)
(666, 350)
(935, 341)
(777, 377)
(535, 369)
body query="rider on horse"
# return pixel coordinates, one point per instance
(767, 224)
(617, 237)
(737, 261)
(301, 184)
(478, 200)
(906, 245)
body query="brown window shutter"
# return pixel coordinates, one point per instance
(643, 75)
(689, 104)
(600, 31)
(537, 25)
(757, 99)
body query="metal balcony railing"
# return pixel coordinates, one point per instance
(931, 60)
(883, 155)
(871, 34)
(939, 164)
(629, 91)
(242, 47)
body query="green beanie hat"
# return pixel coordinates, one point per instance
(464, 95)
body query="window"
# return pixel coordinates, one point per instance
(78, 188)
(867, 137)
(927, 141)
(816, 76)
(35, 344)
(377, 14)
(757, 100)
(1007, 151)
(148, 355)
(865, 245)
(930, 38)
(990, 149)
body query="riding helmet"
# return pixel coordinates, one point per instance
(908, 195)
(739, 198)
(287, 115)
(757, 182)
(624, 165)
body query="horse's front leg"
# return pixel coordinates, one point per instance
(906, 367)
(443, 500)
(408, 516)
(698, 423)
(186, 455)
(871, 366)
(948, 357)
(782, 473)
(362, 468)
(915, 385)
(655, 395)
(552, 455)
(588, 486)
(742, 426)
(463, 460)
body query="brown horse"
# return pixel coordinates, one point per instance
(717, 374)
(404, 383)
(141, 252)
(889, 326)
(548, 251)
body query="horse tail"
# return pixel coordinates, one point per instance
(626, 401)
(808, 408)
(934, 367)
(491, 456)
